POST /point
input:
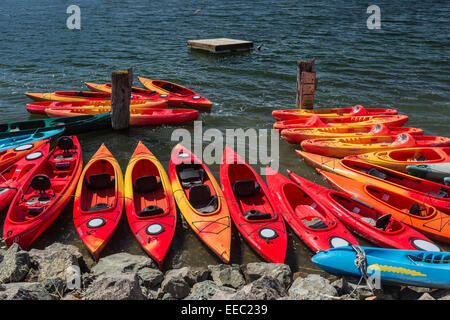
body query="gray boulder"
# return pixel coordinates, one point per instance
(279, 271)
(206, 289)
(226, 275)
(55, 286)
(426, 296)
(115, 287)
(15, 265)
(150, 278)
(349, 288)
(178, 282)
(121, 263)
(313, 287)
(24, 291)
(265, 288)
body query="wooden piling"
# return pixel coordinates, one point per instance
(121, 81)
(306, 84)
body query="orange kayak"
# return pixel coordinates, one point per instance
(173, 99)
(421, 190)
(80, 96)
(399, 159)
(318, 121)
(300, 134)
(99, 201)
(201, 201)
(421, 216)
(357, 110)
(341, 147)
(190, 97)
(39, 107)
(138, 116)
(11, 156)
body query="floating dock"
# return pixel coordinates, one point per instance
(220, 45)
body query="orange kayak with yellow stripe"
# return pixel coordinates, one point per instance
(201, 201)
(81, 96)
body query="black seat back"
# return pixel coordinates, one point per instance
(150, 211)
(256, 215)
(377, 173)
(65, 143)
(99, 206)
(417, 210)
(41, 182)
(245, 188)
(146, 184)
(383, 221)
(100, 181)
(201, 199)
(190, 174)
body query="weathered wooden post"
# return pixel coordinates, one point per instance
(306, 84)
(121, 81)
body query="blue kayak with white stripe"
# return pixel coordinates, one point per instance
(392, 266)
(15, 139)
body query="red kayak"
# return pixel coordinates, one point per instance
(98, 204)
(39, 107)
(15, 175)
(149, 203)
(306, 215)
(366, 221)
(252, 208)
(44, 194)
(318, 122)
(357, 110)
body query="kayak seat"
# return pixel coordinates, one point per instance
(417, 210)
(41, 183)
(100, 181)
(147, 184)
(190, 174)
(65, 143)
(245, 188)
(256, 215)
(315, 223)
(150, 211)
(383, 221)
(99, 206)
(201, 199)
(443, 193)
(377, 173)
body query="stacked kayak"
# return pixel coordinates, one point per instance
(365, 220)
(46, 190)
(319, 121)
(80, 96)
(98, 201)
(189, 97)
(413, 212)
(404, 267)
(138, 116)
(305, 213)
(200, 200)
(39, 107)
(150, 203)
(420, 190)
(253, 208)
(331, 112)
(71, 125)
(15, 173)
(15, 139)
(341, 147)
(173, 99)
(399, 159)
(10, 156)
(298, 135)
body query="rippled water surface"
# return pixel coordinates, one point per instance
(404, 65)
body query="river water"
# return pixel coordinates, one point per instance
(404, 65)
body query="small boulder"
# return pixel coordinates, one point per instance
(279, 271)
(265, 288)
(150, 278)
(176, 283)
(226, 275)
(115, 287)
(55, 286)
(24, 291)
(313, 287)
(206, 289)
(15, 265)
(426, 296)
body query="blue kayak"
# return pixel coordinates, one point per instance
(406, 267)
(19, 138)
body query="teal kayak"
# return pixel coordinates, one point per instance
(405, 267)
(433, 171)
(15, 139)
(72, 125)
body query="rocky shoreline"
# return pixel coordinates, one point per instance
(59, 272)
